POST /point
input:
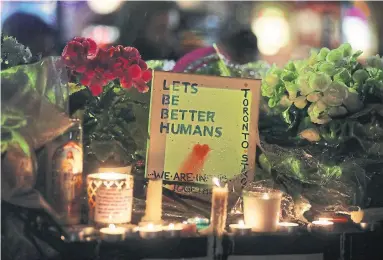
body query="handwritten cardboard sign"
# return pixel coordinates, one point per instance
(202, 127)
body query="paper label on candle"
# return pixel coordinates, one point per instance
(277, 257)
(113, 205)
(201, 126)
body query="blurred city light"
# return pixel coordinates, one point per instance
(272, 30)
(104, 6)
(102, 34)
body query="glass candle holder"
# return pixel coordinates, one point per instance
(261, 208)
(110, 197)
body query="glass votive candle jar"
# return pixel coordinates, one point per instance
(261, 208)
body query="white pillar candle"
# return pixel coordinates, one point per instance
(112, 233)
(261, 209)
(219, 208)
(153, 211)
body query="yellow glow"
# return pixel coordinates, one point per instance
(108, 176)
(104, 6)
(216, 182)
(272, 30)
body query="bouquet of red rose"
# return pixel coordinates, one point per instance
(99, 80)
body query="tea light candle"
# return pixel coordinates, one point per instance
(150, 231)
(219, 208)
(261, 209)
(173, 230)
(321, 225)
(153, 211)
(112, 233)
(288, 227)
(240, 228)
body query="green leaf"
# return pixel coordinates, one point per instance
(20, 140)
(356, 55)
(264, 162)
(343, 76)
(375, 62)
(360, 76)
(286, 116)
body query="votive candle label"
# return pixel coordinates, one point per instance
(113, 205)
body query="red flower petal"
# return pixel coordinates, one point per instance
(79, 39)
(85, 80)
(146, 75)
(96, 90)
(134, 71)
(141, 86)
(92, 51)
(90, 73)
(142, 64)
(126, 84)
(81, 69)
(131, 52)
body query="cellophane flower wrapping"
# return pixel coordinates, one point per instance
(34, 104)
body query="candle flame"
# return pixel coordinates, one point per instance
(150, 226)
(241, 223)
(216, 182)
(323, 222)
(265, 196)
(171, 226)
(112, 226)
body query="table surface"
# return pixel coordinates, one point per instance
(354, 245)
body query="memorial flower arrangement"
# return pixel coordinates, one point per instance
(320, 125)
(103, 76)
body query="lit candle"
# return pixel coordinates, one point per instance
(112, 233)
(240, 228)
(287, 227)
(125, 170)
(150, 231)
(261, 209)
(219, 208)
(110, 197)
(153, 211)
(321, 225)
(173, 230)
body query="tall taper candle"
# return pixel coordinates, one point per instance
(153, 211)
(219, 208)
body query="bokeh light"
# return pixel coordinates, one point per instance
(104, 6)
(272, 30)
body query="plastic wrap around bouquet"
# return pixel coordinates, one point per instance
(34, 101)
(321, 127)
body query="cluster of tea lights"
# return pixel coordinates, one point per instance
(261, 215)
